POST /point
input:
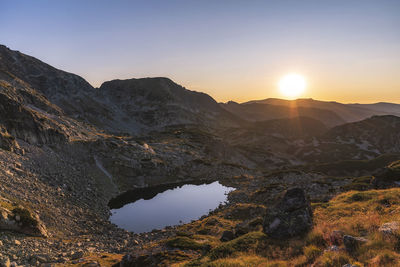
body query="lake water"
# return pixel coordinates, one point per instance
(149, 209)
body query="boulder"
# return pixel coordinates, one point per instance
(352, 243)
(7, 142)
(290, 216)
(227, 236)
(241, 229)
(23, 221)
(4, 262)
(390, 228)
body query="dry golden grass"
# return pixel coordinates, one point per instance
(361, 214)
(357, 213)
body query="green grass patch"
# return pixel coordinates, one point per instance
(249, 241)
(184, 242)
(361, 196)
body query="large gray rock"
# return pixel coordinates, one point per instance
(291, 216)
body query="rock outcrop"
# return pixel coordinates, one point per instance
(22, 220)
(389, 229)
(291, 216)
(7, 141)
(227, 236)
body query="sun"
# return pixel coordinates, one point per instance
(292, 85)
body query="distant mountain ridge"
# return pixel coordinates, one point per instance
(137, 105)
(392, 108)
(346, 112)
(261, 112)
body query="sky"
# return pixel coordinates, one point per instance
(347, 50)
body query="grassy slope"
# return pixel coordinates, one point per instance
(355, 213)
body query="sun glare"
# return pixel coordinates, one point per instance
(292, 85)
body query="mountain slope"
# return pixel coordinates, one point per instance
(63, 89)
(267, 142)
(390, 108)
(26, 114)
(361, 140)
(349, 113)
(380, 132)
(152, 103)
(262, 112)
(134, 105)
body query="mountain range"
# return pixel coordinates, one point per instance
(137, 105)
(67, 148)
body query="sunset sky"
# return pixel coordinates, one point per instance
(348, 51)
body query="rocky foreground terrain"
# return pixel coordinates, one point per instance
(318, 188)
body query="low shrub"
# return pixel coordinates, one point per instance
(312, 252)
(360, 196)
(316, 239)
(332, 259)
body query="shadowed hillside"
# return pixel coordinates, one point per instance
(348, 112)
(262, 112)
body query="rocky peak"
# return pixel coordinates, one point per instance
(157, 90)
(153, 103)
(134, 105)
(43, 77)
